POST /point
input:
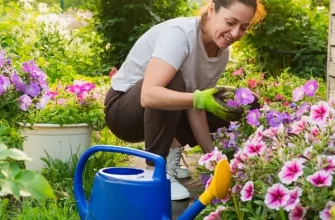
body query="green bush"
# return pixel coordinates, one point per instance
(292, 34)
(123, 22)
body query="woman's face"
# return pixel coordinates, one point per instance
(229, 24)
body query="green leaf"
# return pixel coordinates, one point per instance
(35, 184)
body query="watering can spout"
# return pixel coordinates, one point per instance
(218, 188)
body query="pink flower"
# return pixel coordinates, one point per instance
(319, 113)
(298, 213)
(247, 191)
(277, 196)
(311, 87)
(326, 163)
(238, 72)
(291, 171)
(52, 94)
(320, 178)
(210, 159)
(61, 101)
(215, 215)
(294, 198)
(237, 188)
(299, 126)
(325, 213)
(308, 152)
(298, 94)
(238, 163)
(253, 148)
(252, 83)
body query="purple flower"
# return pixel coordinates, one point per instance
(305, 107)
(274, 118)
(244, 96)
(233, 103)
(18, 82)
(44, 100)
(32, 89)
(298, 93)
(311, 87)
(253, 117)
(24, 102)
(74, 89)
(4, 84)
(2, 58)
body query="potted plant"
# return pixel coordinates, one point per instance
(64, 126)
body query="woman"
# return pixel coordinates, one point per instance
(163, 93)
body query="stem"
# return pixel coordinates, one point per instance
(237, 209)
(282, 214)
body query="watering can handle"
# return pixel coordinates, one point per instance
(159, 172)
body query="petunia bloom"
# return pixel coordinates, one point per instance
(244, 96)
(311, 87)
(294, 198)
(325, 213)
(253, 148)
(299, 126)
(215, 215)
(238, 72)
(298, 213)
(319, 113)
(326, 163)
(210, 159)
(247, 191)
(277, 196)
(298, 94)
(253, 117)
(24, 102)
(320, 178)
(291, 171)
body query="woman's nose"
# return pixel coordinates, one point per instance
(235, 32)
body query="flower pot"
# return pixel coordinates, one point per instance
(59, 142)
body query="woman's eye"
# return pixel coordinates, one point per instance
(229, 23)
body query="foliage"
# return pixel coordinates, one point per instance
(80, 102)
(63, 44)
(122, 23)
(17, 182)
(292, 34)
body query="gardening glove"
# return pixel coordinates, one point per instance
(227, 92)
(208, 101)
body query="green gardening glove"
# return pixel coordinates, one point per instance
(206, 100)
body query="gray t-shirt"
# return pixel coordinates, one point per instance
(178, 42)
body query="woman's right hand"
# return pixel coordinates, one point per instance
(205, 100)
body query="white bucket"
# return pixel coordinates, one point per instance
(60, 142)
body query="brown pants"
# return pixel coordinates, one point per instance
(129, 121)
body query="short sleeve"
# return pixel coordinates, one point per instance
(172, 46)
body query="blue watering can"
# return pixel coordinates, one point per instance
(122, 193)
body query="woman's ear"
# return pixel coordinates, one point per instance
(211, 10)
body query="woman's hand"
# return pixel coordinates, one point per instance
(205, 100)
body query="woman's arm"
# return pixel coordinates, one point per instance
(200, 129)
(154, 94)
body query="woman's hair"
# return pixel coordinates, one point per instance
(226, 4)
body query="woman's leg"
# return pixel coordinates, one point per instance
(129, 121)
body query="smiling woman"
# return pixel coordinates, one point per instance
(164, 92)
